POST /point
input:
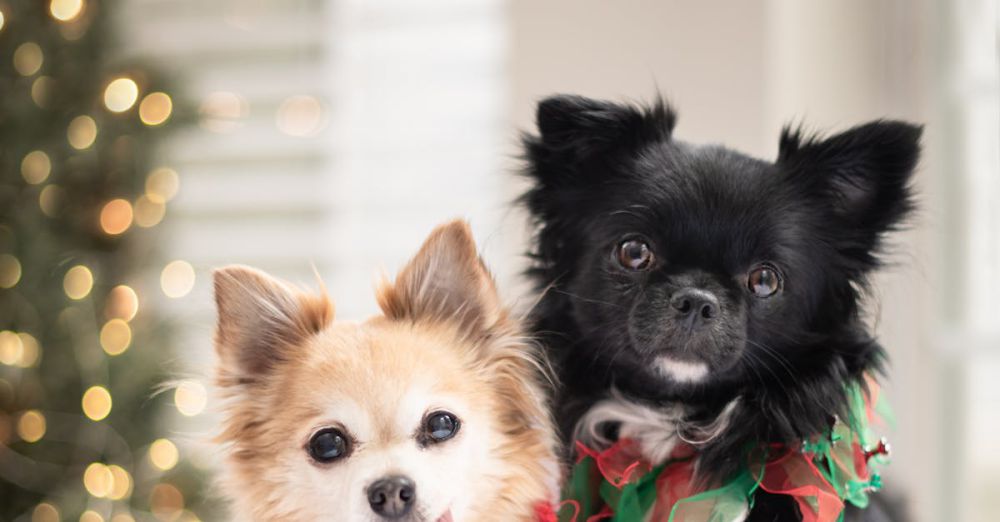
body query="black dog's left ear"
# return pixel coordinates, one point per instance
(574, 129)
(863, 174)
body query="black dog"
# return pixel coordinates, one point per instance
(699, 277)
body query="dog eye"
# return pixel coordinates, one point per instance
(328, 445)
(764, 281)
(634, 254)
(440, 426)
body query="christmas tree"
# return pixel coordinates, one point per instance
(82, 350)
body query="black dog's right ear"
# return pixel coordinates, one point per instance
(573, 129)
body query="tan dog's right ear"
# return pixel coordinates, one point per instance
(445, 280)
(261, 319)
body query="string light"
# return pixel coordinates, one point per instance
(190, 398)
(155, 108)
(116, 216)
(11, 348)
(166, 502)
(122, 303)
(10, 271)
(28, 58)
(177, 279)
(50, 199)
(96, 403)
(162, 185)
(121, 94)
(30, 351)
(65, 10)
(98, 480)
(121, 484)
(82, 132)
(148, 213)
(78, 282)
(222, 111)
(40, 89)
(115, 337)
(91, 516)
(31, 426)
(163, 454)
(35, 167)
(300, 116)
(45, 512)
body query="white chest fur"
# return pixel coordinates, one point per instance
(656, 430)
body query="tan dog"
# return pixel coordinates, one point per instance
(434, 411)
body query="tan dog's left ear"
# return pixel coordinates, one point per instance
(446, 280)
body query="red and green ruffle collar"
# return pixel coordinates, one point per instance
(822, 474)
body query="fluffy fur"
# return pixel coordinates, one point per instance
(682, 335)
(444, 342)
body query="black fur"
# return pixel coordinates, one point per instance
(606, 172)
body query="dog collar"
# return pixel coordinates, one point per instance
(821, 474)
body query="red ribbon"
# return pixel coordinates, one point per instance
(795, 475)
(619, 464)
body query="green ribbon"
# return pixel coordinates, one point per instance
(833, 454)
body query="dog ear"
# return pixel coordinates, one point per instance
(862, 175)
(573, 129)
(261, 319)
(445, 281)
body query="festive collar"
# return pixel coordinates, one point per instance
(821, 473)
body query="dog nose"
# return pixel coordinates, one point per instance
(392, 497)
(697, 307)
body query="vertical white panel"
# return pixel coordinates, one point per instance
(418, 137)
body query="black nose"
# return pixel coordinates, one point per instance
(392, 497)
(695, 307)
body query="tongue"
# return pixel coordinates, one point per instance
(446, 517)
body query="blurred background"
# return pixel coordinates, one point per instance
(144, 142)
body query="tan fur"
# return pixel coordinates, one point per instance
(444, 338)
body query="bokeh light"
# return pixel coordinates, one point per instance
(116, 216)
(28, 58)
(82, 132)
(31, 426)
(116, 335)
(162, 185)
(78, 282)
(163, 454)
(177, 279)
(98, 480)
(155, 108)
(45, 512)
(50, 200)
(121, 485)
(121, 94)
(65, 10)
(190, 397)
(300, 116)
(91, 516)
(30, 350)
(11, 348)
(35, 167)
(2, 20)
(122, 303)
(41, 89)
(10, 271)
(223, 111)
(96, 403)
(148, 213)
(166, 502)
